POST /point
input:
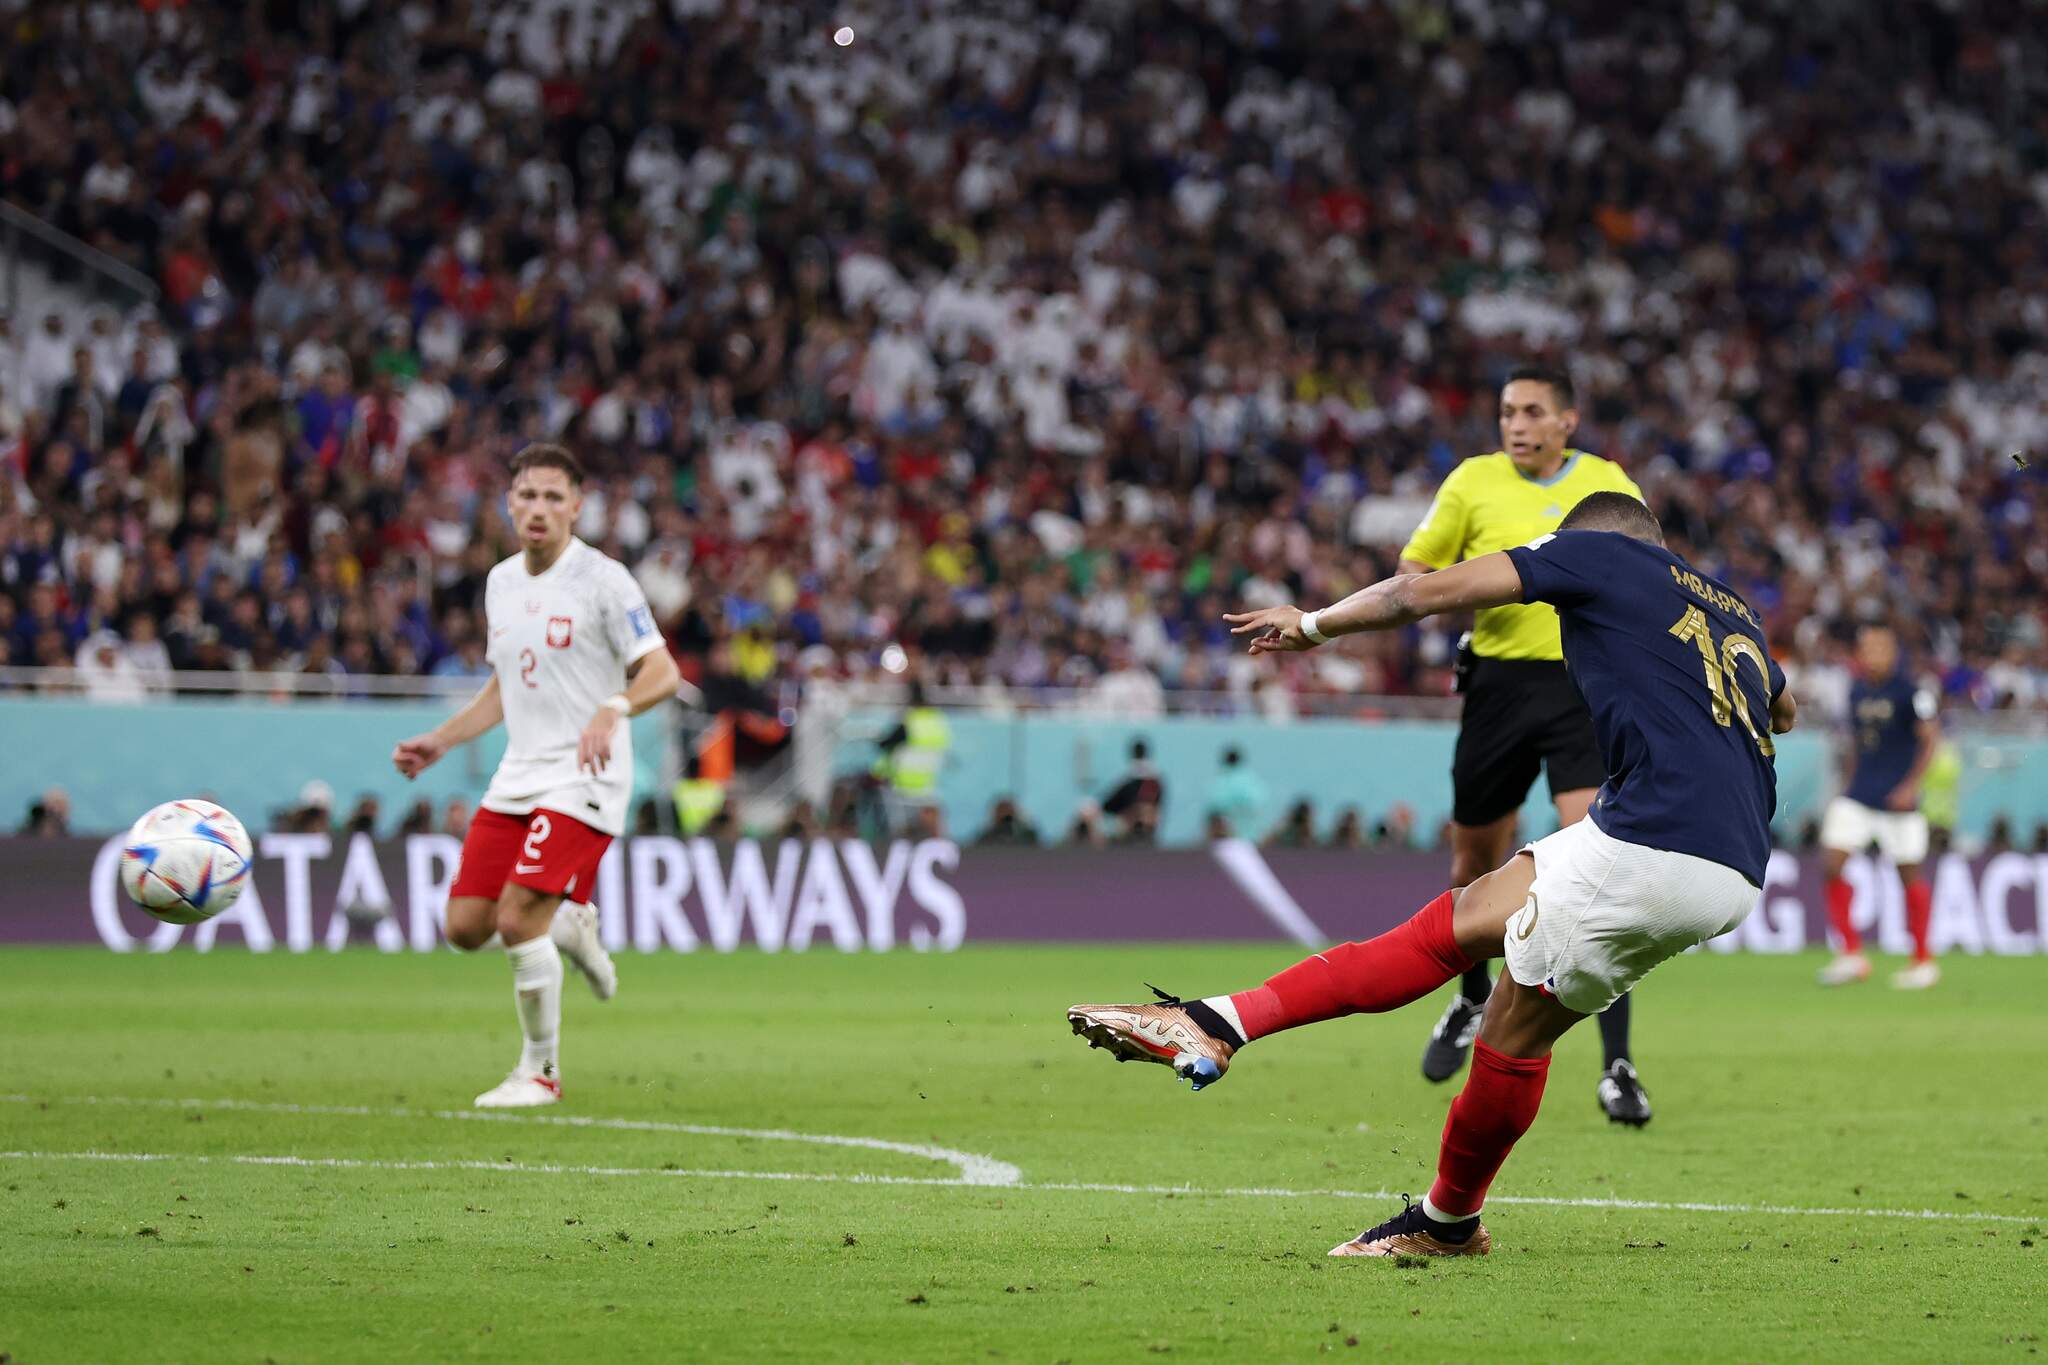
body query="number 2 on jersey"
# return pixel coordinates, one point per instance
(528, 661)
(1720, 666)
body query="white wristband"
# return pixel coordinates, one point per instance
(1308, 628)
(618, 702)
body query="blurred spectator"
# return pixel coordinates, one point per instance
(49, 815)
(1135, 800)
(1087, 829)
(106, 672)
(1237, 794)
(1297, 829)
(2040, 840)
(1999, 840)
(1349, 831)
(801, 823)
(363, 819)
(647, 818)
(1396, 830)
(1007, 827)
(455, 817)
(419, 819)
(314, 813)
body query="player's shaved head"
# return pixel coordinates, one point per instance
(1614, 512)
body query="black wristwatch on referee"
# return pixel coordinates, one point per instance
(1461, 667)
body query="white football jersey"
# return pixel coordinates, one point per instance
(561, 642)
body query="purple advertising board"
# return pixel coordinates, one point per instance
(312, 891)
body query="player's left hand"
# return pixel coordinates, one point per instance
(1274, 630)
(1904, 798)
(594, 745)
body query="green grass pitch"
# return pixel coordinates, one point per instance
(400, 1231)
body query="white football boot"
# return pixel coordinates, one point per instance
(525, 1088)
(576, 934)
(1917, 977)
(1844, 969)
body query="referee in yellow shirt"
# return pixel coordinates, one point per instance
(1522, 709)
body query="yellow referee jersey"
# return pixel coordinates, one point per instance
(1487, 504)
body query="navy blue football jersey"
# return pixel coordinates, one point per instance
(1674, 668)
(1887, 715)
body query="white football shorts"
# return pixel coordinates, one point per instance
(1603, 912)
(1852, 827)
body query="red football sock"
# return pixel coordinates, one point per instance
(1402, 965)
(1839, 899)
(1496, 1107)
(1919, 914)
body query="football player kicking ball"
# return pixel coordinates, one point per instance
(1685, 698)
(574, 652)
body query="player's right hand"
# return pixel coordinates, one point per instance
(414, 756)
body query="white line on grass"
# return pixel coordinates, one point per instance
(974, 1171)
(347, 1163)
(826, 1177)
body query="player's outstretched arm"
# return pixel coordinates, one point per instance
(1488, 581)
(650, 680)
(485, 710)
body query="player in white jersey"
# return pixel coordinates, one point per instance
(574, 651)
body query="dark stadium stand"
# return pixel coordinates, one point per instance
(1027, 336)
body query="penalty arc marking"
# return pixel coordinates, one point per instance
(973, 1171)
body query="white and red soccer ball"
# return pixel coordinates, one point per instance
(186, 861)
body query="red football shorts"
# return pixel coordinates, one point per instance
(545, 851)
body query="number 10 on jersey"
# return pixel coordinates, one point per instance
(1720, 667)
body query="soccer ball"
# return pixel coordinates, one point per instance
(186, 861)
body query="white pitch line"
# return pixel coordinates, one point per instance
(826, 1177)
(1542, 1201)
(974, 1169)
(346, 1163)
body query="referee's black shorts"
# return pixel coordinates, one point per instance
(1520, 715)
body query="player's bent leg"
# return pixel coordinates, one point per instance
(472, 922)
(1480, 923)
(1476, 850)
(1198, 1038)
(576, 933)
(1510, 1062)
(523, 917)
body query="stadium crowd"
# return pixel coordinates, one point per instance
(1028, 337)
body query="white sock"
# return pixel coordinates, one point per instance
(537, 986)
(1224, 1006)
(1437, 1215)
